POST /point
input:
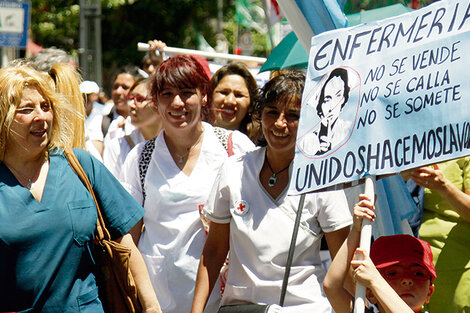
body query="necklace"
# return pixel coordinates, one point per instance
(30, 183)
(182, 156)
(273, 179)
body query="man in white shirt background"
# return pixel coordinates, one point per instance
(115, 120)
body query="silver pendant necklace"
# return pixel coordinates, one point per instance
(273, 179)
(181, 157)
(30, 183)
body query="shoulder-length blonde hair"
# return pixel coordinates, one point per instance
(67, 82)
(13, 80)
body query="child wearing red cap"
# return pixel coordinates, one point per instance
(398, 275)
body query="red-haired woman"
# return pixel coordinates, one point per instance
(172, 177)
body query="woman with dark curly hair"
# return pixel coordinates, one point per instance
(252, 214)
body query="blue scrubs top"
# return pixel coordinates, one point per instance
(45, 258)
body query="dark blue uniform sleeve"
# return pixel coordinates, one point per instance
(120, 210)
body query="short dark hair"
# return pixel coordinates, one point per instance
(286, 87)
(128, 69)
(181, 71)
(337, 72)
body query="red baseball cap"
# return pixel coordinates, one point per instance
(391, 250)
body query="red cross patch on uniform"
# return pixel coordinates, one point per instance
(241, 207)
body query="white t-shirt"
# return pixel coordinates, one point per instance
(173, 238)
(117, 131)
(260, 234)
(93, 126)
(93, 132)
(117, 149)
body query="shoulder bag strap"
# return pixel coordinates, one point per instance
(102, 232)
(106, 122)
(225, 138)
(291, 249)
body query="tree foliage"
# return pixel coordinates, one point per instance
(354, 6)
(55, 23)
(126, 22)
(171, 21)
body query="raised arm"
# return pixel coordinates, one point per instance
(433, 178)
(338, 284)
(154, 46)
(212, 258)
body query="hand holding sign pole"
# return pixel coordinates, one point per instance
(366, 234)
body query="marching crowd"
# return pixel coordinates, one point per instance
(191, 171)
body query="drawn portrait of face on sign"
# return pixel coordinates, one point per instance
(329, 102)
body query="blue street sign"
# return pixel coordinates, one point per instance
(14, 23)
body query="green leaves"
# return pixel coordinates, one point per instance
(55, 23)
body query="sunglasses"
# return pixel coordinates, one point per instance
(138, 98)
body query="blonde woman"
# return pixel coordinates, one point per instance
(47, 216)
(67, 81)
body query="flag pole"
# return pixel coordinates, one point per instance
(141, 46)
(299, 24)
(364, 243)
(266, 8)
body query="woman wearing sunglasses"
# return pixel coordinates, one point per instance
(147, 126)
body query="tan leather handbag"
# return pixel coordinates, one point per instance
(116, 285)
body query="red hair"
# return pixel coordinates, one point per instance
(181, 71)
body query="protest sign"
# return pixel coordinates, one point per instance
(385, 96)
